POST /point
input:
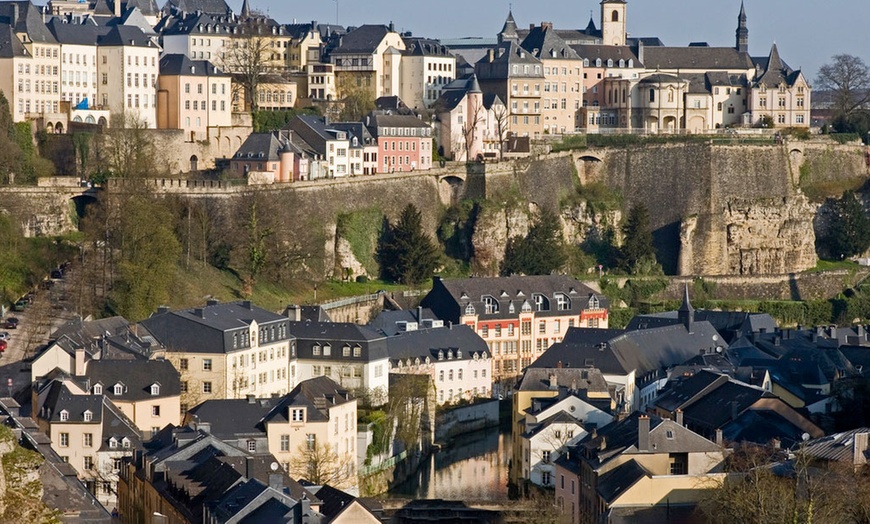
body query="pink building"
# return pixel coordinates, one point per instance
(404, 142)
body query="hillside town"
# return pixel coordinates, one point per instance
(573, 363)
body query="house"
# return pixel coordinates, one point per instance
(849, 447)
(127, 62)
(272, 157)
(363, 150)
(542, 394)
(354, 356)
(304, 48)
(225, 351)
(317, 417)
(192, 95)
(471, 125)
(518, 317)
(634, 464)
(88, 431)
(517, 78)
(370, 57)
(455, 358)
(327, 143)
(544, 441)
(427, 66)
(78, 63)
(404, 141)
(183, 472)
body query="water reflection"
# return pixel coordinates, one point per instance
(475, 467)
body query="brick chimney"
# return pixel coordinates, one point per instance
(679, 415)
(643, 433)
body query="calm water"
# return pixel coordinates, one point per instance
(475, 468)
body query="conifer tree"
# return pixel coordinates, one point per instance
(406, 255)
(541, 252)
(850, 227)
(637, 246)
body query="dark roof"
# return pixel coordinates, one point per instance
(546, 44)
(334, 501)
(616, 481)
(264, 147)
(762, 426)
(682, 393)
(56, 397)
(181, 65)
(137, 376)
(593, 52)
(538, 379)
(715, 408)
(561, 417)
(730, 324)
(839, 447)
(232, 418)
(308, 334)
(671, 58)
(214, 7)
(776, 72)
(75, 34)
(386, 321)
(316, 394)
(10, 45)
(363, 39)
(125, 35)
(462, 341)
(415, 46)
(376, 120)
(29, 20)
(505, 56)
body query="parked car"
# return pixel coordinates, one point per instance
(4, 335)
(21, 305)
(3, 345)
(11, 323)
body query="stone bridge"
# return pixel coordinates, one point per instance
(52, 207)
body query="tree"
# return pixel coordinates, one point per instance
(541, 252)
(471, 127)
(850, 228)
(249, 58)
(355, 100)
(502, 125)
(405, 254)
(127, 151)
(320, 464)
(637, 247)
(847, 77)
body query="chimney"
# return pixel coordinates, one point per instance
(117, 5)
(251, 399)
(14, 18)
(419, 314)
(859, 448)
(643, 433)
(833, 331)
(247, 304)
(212, 302)
(392, 27)
(720, 440)
(294, 313)
(640, 52)
(554, 381)
(162, 309)
(199, 312)
(679, 416)
(276, 481)
(249, 467)
(603, 444)
(490, 55)
(80, 361)
(559, 365)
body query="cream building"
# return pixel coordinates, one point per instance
(78, 63)
(226, 351)
(427, 66)
(369, 57)
(192, 95)
(127, 63)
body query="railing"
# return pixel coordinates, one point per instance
(350, 301)
(389, 463)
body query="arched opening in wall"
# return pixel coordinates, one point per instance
(90, 119)
(77, 118)
(229, 147)
(102, 121)
(49, 128)
(455, 187)
(587, 167)
(666, 241)
(796, 156)
(80, 206)
(669, 124)
(614, 16)
(194, 163)
(58, 129)
(697, 124)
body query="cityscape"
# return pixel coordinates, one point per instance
(258, 270)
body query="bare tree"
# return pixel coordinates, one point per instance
(126, 150)
(471, 127)
(502, 126)
(848, 79)
(321, 464)
(249, 59)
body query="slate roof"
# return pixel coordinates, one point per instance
(682, 393)
(538, 379)
(334, 501)
(314, 130)
(213, 7)
(364, 39)
(541, 404)
(422, 343)
(505, 56)
(386, 321)
(137, 377)
(10, 45)
(415, 46)
(839, 447)
(125, 35)
(557, 418)
(696, 58)
(316, 394)
(377, 120)
(308, 334)
(265, 147)
(592, 52)
(75, 34)
(146, 7)
(29, 20)
(454, 92)
(545, 43)
(776, 72)
(762, 426)
(86, 333)
(616, 481)
(57, 397)
(212, 332)
(252, 491)
(181, 65)
(196, 23)
(355, 130)
(232, 418)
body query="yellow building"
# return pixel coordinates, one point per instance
(192, 95)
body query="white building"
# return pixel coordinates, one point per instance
(127, 62)
(427, 66)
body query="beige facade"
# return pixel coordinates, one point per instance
(613, 23)
(193, 97)
(78, 71)
(130, 87)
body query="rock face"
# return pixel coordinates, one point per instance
(493, 228)
(346, 263)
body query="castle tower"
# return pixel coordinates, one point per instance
(509, 30)
(742, 31)
(613, 22)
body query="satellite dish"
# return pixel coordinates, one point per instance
(805, 437)
(715, 337)
(274, 465)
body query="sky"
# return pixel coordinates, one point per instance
(807, 32)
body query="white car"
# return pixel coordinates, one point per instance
(4, 335)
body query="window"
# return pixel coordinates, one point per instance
(545, 457)
(89, 462)
(155, 411)
(545, 478)
(206, 364)
(252, 445)
(297, 415)
(285, 442)
(155, 389)
(459, 374)
(441, 376)
(118, 389)
(64, 440)
(116, 464)
(88, 440)
(311, 440)
(542, 327)
(327, 350)
(345, 351)
(182, 364)
(357, 351)
(206, 387)
(184, 386)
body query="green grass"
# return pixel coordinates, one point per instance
(834, 265)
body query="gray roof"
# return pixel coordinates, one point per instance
(538, 379)
(212, 7)
(29, 20)
(209, 329)
(75, 34)
(433, 343)
(10, 45)
(415, 46)
(840, 447)
(372, 344)
(505, 56)
(179, 64)
(377, 120)
(614, 483)
(696, 58)
(593, 52)
(137, 376)
(261, 146)
(386, 321)
(125, 35)
(545, 43)
(363, 39)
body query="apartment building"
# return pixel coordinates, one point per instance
(517, 77)
(78, 63)
(225, 351)
(427, 66)
(192, 95)
(369, 57)
(329, 143)
(518, 317)
(127, 63)
(404, 141)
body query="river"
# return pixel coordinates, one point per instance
(473, 468)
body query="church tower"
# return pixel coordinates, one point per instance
(509, 31)
(613, 22)
(742, 31)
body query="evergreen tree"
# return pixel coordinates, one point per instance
(850, 228)
(637, 247)
(541, 252)
(405, 254)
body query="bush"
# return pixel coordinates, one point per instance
(844, 138)
(619, 318)
(362, 279)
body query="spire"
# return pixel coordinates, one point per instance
(473, 85)
(742, 31)
(686, 313)
(246, 10)
(509, 30)
(590, 28)
(774, 63)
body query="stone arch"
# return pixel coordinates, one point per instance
(229, 147)
(49, 128)
(697, 124)
(58, 129)
(614, 16)
(80, 204)
(587, 166)
(90, 119)
(102, 121)
(77, 118)
(451, 188)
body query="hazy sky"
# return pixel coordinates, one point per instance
(807, 32)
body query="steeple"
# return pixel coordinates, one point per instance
(774, 62)
(509, 31)
(686, 313)
(742, 31)
(246, 10)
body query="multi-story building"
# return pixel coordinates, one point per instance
(272, 154)
(427, 66)
(89, 432)
(780, 95)
(78, 63)
(304, 47)
(329, 143)
(354, 356)
(363, 148)
(455, 358)
(321, 82)
(517, 77)
(404, 141)
(198, 35)
(318, 415)
(470, 124)
(518, 317)
(370, 58)
(562, 93)
(636, 465)
(192, 95)
(225, 351)
(127, 64)
(606, 106)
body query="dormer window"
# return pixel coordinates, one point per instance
(64, 415)
(97, 389)
(125, 443)
(113, 443)
(297, 415)
(469, 309)
(449, 354)
(440, 354)
(118, 389)
(594, 303)
(155, 389)
(511, 308)
(563, 303)
(315, 350)
(542, 303)
(88, 415)
(490, 304)
(527, 308)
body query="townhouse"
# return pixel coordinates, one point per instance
(192, 95)
(518, 317)
(517, 77)
(470, 125)
(127, 62)
(368, 57)
(225, 351)
(404, 141)
(427, 66)
(328, 143)
(78, 63)
(274, 155)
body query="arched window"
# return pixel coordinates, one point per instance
(614, 16)
(194, 163)
(609, 62)
(597, 62)
(652, 95)
(670, 95)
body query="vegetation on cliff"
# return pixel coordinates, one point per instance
(20, 487)
(849, 234)
(540, 252)
(405, 253)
